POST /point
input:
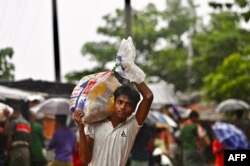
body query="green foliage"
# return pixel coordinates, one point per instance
(144, 33)
(114, 26)
(73, 77)
(230, 80)
(212, 46)
(101, 50)
(243, 7)
(150, 28)
(6, 67)
(242, 3)
(170, 65)
(179, 20)
(157, 36)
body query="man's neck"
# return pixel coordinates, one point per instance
(116, 121)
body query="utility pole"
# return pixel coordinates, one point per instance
(56, 42)
(128, 17)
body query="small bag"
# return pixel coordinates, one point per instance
(94, 95)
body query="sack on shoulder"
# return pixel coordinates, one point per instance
(94, 95)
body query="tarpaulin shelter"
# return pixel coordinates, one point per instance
(15, 94)
(163, 94)
(18, 98)
(52, 89)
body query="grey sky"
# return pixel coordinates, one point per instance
(26, 25)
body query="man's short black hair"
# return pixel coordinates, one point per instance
(194, 114)
(127, 90)
(62, 119)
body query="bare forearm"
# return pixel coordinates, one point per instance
(84, 149)
(85, 143)
(146, 102)
(145, 91)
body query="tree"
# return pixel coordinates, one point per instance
(6, 67)
(144, 33)
(170, 62)
(170, 65)
(223, 37)
(244, 5)
(230, 80)
(150, 28)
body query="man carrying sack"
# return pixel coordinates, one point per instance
(109, 141)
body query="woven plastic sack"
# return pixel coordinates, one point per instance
(94, 95)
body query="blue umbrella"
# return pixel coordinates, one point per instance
(151, 120)
(230, 136)
(163, 118)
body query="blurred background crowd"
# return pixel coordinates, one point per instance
(39, 131)
(204, 110)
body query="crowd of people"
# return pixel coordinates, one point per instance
(192, 142)
(23, 140)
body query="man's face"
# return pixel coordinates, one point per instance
(123, 107)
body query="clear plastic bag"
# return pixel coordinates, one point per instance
(94, 95)
(125, 59)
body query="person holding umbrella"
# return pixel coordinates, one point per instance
(218, 151)
(227, 136)
(5, 112)
(236, 111)
(63, 142)
(19, 138)
(37, 156)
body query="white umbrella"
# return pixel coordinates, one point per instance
(53, 106)
(232, 105)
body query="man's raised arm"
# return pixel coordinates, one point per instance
(145, 104)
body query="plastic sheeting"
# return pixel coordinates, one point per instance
(16, 94)
(163, 94)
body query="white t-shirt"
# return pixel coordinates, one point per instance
(112, 145)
